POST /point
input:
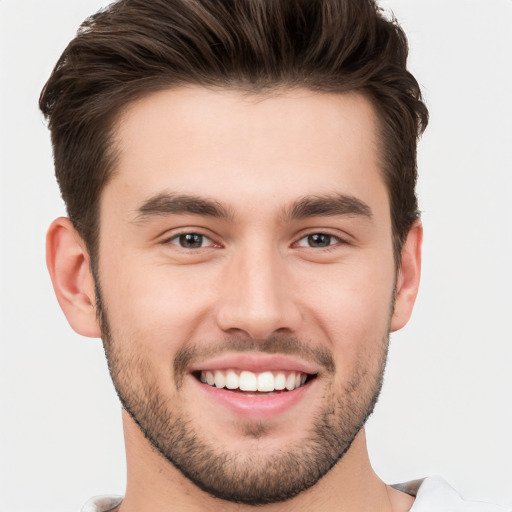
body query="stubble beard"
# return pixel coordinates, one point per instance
(249, 478)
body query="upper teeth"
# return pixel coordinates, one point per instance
(249, 381)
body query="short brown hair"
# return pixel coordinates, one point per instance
(135, 47)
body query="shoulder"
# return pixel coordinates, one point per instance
(101, 503)
(434, 493)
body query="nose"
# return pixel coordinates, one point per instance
(257, 297)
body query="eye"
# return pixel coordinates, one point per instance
(318, 240)
(191, 241)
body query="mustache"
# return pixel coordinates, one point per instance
(285, 345)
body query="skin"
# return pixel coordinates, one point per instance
(256, 156)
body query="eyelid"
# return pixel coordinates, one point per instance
(175, 241)
(339, 238)
(171, 235)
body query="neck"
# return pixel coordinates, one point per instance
(154, 484)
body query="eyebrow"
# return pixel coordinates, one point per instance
(328, 205)
(181, 204)
(305, 207)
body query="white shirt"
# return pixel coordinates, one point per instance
(433, 494)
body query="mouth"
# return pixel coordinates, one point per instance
(245, 381)
(257, 386)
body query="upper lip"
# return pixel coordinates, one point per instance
(256, 363)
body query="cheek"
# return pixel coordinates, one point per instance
(353, 305)
(157, 307)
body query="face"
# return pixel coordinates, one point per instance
(247, 279)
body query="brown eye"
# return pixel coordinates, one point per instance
(317, 240)
(191, 241)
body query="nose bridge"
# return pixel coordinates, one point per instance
(256, 296)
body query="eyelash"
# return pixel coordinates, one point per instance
(177, 240)
(178, 237)
(338, 240)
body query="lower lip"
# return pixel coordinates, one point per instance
(260, 406)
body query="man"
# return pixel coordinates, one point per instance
(243, 234)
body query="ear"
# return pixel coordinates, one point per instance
(408, 278)
(68, 263)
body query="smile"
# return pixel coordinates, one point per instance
(256, 386)
(265, 382)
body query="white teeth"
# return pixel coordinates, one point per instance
(265, 382)
(290, 382)
(220, 379)
(248, 381)
(232, 380)
(280, 381)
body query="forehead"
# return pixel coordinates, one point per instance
(238, 147)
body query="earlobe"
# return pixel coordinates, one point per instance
(68, 263)
(408, 279)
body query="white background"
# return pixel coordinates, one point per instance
(446, 403)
